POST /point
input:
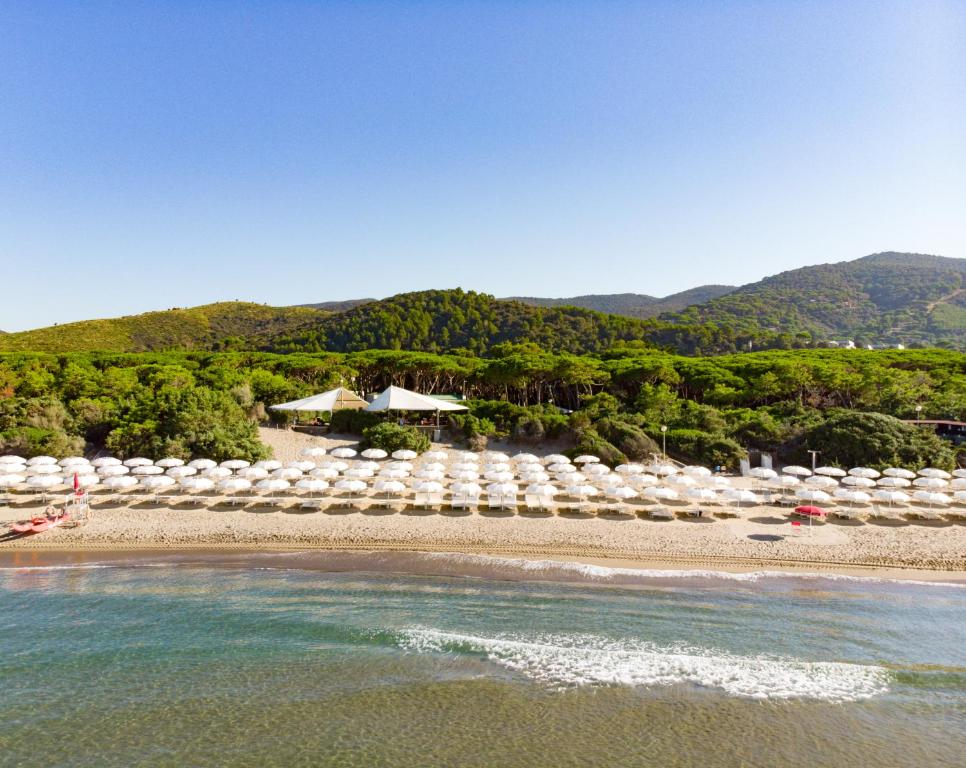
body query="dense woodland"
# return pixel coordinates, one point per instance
(613, 403)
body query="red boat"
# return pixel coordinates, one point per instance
(39, 524)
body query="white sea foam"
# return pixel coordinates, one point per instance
(602, 573)
(575, 660)
(77, 567)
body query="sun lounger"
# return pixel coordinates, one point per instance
(427, 501)
(536, 503)
(502, 502)
(465, 501)
(662, 513)
(921, 513)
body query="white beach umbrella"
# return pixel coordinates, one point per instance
(932, 498)
(812, 494)
(603, 481)
(763, 473)
(796, 470)
(696, 471)
(620, 492)
(157, 482)
(287, 473)
(359, 474)
(404, 465)
(582, 491)
(527, 469)
(269, 465)
(40, 461)
(497, 466)
(119, 482)
(893, 482)
(959, 473)
(642, 481)
(466, 489)
(660, 492)
(630, 469)
(905, 474)
(788, 481)
(436, 456)
(301, 466)
(138, 461)
(830, 472)
(180, 472)
(404, 454)
(312, 484)
(499, 477)
(391, 487)
(273, 485)
(534, 477)
(197, 484)
(253, 474)
(106, 461)
(852, 497)
(719, 481)
(701, 494)
(525, 458)
(202, 464)
(352, 486)
(502, 489)
(343, 453)
(217, 473)
(542, 489)
(495, 456)
(74, 461)
(324, 473)
(11, 459)
(113, 470)
(374, 453)
(235, 484)
(821, 481)
(314, 451)
(466, 456)
(586, 459)
(562, 469)
(430, 474)
(428, 486)
(465, 475)
(433, 466)
(556, 458)
(932, 472)
(684, 481)
(338, 466)
(86, 480)
(930, 483)
(234, 464)
(43, 469)
(11, 479)
(464, 466)
(867, 472)
(146, 470)
(958, 483)
(596, 470)
(740, 496)
(959, 497)
(169, 462)
(665, 470)
(858, 481)
(394, 474)
(893, 497)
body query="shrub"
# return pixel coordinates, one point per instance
(393, 437)
(354, 422)
(630, 439)
(589, 441)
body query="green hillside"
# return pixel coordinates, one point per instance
(637, 305)
(214, 326)
(882, 299)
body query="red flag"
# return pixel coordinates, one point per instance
(76, 483)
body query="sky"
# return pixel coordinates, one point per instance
(166, 154)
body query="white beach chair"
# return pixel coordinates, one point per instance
(429, 501)
(537, 503)
(465, 501)
(662, 513)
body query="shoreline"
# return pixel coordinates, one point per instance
(221, 554)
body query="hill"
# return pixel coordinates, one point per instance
(637, 305)
(223, 325)
(338, 306)
(882, 299)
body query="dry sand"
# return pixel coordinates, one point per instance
(759, 537)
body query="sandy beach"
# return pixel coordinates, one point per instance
(756, 538)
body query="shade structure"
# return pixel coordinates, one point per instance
(582, 491)
(45, 481)
(169, 462)
(858, 481)
(388, 474)
(11, 480)
(352, 486)
(430, 474)
(202, 464)
(941, 474)
(632, 469)
(301, 466)
(556, 458)
(273, 484)
(287, 473)
(312, 484)
(252, 473)
(696, 471)
(740, 496)
(893, 482)
(157, 482)
(41, 460)
(493, 457)
(466, 488)
(113, 470)
(146, 470)
(119, 482)
(812, 494)
(325, 473)
(642, 481)
(435, 456)
(620, 492)
(525, 458)
(343, 453)
(106, 461)
(702, 494)
(181, 472)
(11, 459)
(44, 469)
(906, 474)
(586, 459)
(334, 400)
(404, 454)
(398, 399)
(217, 473)
(659, 492)
(389, 486)
(79, 480)
(502, 489)
(562, 469)
(958, 484)
(235, 464)
(820, 481)
(851, 496)
(499, 477)
(428, 486)
(932, 498)
(138, 461)
(665, 470)
(197, 484)
(956, 472)
(541, 489)
(810, 510)
(312, 451)
(788, 481)
(73, 461)
(864, 472)
(235, 485)
(374, 453)
(596, 470)
(534, 477)
(796, 470)
(684, 481)
(930, 483)
(268, 464)
(763, 473)
(893, 497)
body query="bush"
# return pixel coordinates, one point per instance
(393, 437)
(354, 422)
(589, 441)
(630, 439)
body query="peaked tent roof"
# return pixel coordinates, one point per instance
(399, 399)
(333, 400)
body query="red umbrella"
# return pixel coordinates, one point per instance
(76, 483)
(811, 511)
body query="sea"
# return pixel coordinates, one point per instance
(408, 659)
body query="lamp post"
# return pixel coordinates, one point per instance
(918, 414)
(814, 457)
(664, 441)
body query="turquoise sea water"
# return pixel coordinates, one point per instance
(392, 660)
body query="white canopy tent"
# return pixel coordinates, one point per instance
(399, 399)
(333, 400)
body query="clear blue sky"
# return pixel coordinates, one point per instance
(170, 154)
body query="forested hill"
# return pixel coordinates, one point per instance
(632, 304)
(885, 298)
(225, 325)
(432, 321)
